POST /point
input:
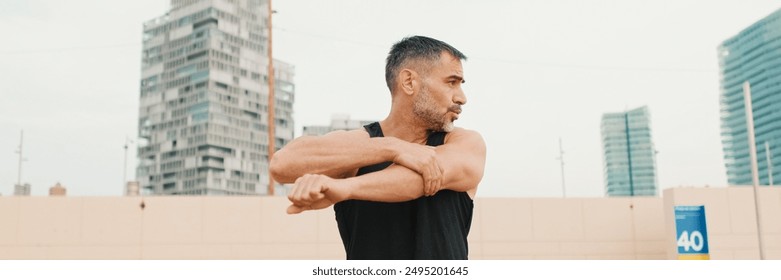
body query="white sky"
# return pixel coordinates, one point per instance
(537, 71)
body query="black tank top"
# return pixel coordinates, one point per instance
(426, 228)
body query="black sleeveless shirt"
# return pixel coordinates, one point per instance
(433, 227)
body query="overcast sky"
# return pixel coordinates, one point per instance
(537, 71)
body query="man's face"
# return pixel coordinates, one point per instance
(438, 103)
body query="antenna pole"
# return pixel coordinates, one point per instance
(561, 159)
(21, 158)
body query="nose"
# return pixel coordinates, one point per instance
(459, 98)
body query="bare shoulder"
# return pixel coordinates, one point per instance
(356, 133)
(465, 135)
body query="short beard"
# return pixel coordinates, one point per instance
(424, 108)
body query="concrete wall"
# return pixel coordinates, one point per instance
(731, 220)
(571, 228)
(258, 228)
(167, 228)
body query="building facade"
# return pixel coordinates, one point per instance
(338, 122)
(753, 55)
(58, 190)
(22, 189)
(203, 116)
(629, 154)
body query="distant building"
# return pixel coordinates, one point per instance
(752, 55)
(629, 154)
(338, 122)
(22, 190)
(57, 190)
(132, 189)
(203, 115)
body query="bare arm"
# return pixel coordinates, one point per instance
(462, 157)
(339, 155)
(335, 154)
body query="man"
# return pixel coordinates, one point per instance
(402, 187)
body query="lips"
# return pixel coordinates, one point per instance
(456, 112)
(455, 109)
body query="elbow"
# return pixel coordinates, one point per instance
(477, 176)
(468, 179)
(285, 165)
(276, 169)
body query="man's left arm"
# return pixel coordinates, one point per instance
(462, 157)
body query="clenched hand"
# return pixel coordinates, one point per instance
(421, 159)
(313, 192)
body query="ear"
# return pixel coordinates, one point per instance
(408, 80)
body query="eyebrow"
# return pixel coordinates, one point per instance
(457, 77)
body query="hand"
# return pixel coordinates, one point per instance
(315, 191)
(421, 159)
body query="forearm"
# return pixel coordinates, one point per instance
(393, 184)
(463, 166)
(398, 183)
(334, 155)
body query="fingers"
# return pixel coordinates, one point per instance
(319, 204)
(293, 209)
(422, 159)
(296, 195)
(432, 177)
(308, 189)
(293, 196)
(296, 209)
(429, 177)
(441, 180)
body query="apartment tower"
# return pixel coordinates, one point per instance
(203, 116)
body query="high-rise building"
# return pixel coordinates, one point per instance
(203, 116)
(338, 122)
(753, 55)
(629, 154)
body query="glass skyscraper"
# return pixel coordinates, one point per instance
(753, 55)
(203, 116)
(629, 154)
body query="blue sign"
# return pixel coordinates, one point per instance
(691, 232)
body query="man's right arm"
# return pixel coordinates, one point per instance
(336, 154)
(340, 154)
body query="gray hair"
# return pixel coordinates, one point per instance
(415, 48)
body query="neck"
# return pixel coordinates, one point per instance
(402, 124)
